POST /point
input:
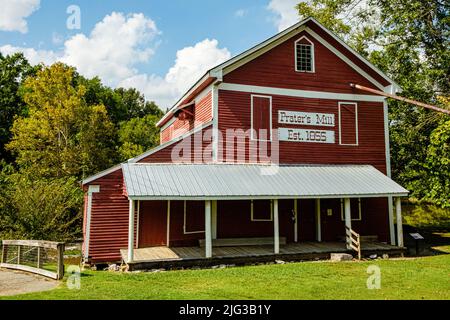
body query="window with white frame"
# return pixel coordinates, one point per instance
(304, 55)
(194, 217)
(261, 210)
(355, 209)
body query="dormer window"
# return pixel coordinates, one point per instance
(304, 55)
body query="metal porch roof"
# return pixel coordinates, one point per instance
(249, 181)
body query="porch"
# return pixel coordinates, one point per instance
(245, 201)
(177, 257)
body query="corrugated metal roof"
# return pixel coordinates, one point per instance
(244, 181)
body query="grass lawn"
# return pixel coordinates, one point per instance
(409, 278)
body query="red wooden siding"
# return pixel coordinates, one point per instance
(374, 218)
(348, 122)
(203, 110)
(194, 221)
(261, 117)
(235, 113)
(152, 223)
(198, 151)
(262, 210)
(195, 216)
(276, 68)
(109, 219)
(202, 114)
(347, 53)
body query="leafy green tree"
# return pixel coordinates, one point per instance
(138, 135)
(409, 41)
(13, 70)
(63, 135)
(438, 165)
(121, 104)
(47, 209)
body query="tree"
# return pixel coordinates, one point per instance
(13, 70)
(438, 165)
(47, 209)
(121, 104)
(409, 41)
(63, 135)
(138, 135)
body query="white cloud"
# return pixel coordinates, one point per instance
(114, 47)
(34, 56)
(286, 14)
(190, 64)
(240, 13)
(118, 44)
(14, 12)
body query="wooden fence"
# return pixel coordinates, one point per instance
(45, 258)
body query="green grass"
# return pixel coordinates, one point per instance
(411, 278)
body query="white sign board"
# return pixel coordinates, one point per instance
(306, 118)
(305, 135)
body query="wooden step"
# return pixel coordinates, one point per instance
(236, 242)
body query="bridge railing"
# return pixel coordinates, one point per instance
(41, 257)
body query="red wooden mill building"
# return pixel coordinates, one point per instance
(271, 154)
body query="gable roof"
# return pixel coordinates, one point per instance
(220, 70)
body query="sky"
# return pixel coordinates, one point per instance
(159, 47)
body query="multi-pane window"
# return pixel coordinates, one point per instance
(304, 55)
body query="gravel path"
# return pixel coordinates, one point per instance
(16, 282)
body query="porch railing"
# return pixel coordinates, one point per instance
(354, 241)
(45, 258)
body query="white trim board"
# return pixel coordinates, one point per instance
(299, 93)
(101, 174)
(333, 196)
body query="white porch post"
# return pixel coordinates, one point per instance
(214, 219)
(398, 212)
(91, 191)
(391, 221)
(348, 221)
(318, 222)
(131, 232)
(276, 231)
(208, 240)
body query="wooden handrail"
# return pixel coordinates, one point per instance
(354, 240)
(34, 244)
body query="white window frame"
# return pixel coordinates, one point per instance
(359, 211)
(313, 59)
(356, 123)
(252, 131)
(184, 222)
(259, 220)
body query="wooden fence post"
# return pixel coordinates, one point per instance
(4, 253)
(19, 253)
(60, 272)
(39, 261)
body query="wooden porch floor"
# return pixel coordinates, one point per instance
(160, 255)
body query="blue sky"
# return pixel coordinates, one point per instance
(160, 47)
